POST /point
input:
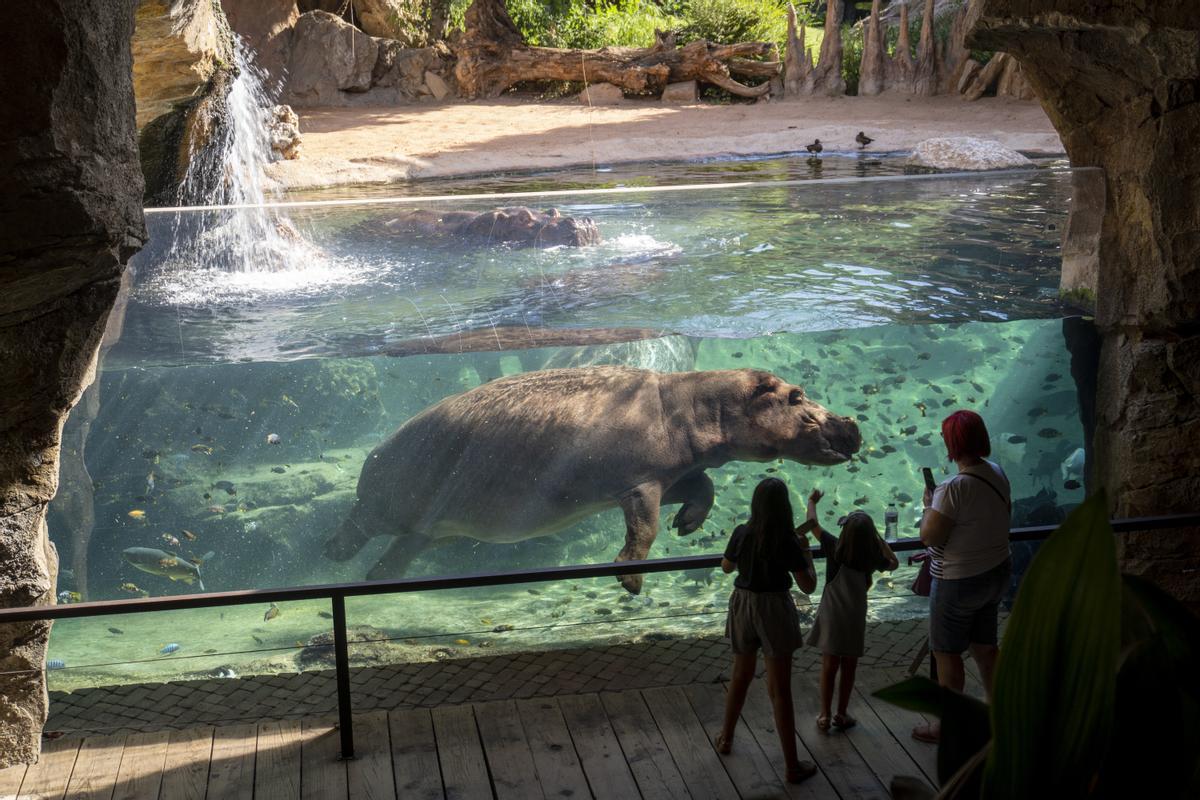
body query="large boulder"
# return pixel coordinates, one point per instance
(964, 153)
(1119, 81)
(404, 68)
(72, 217)
(329, 56)
(285, 133)
(266, 26)
(401, 20)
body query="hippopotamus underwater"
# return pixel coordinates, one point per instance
(515, 225)
(531, 454)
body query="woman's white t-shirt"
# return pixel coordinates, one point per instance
(979, 540)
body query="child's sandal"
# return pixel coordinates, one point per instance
(844, 721)
(724, 745)
(823, 723)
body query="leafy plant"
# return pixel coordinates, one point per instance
(1095, 688)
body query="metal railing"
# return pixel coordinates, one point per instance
(337, 593)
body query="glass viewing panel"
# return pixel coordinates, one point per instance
(260, 355)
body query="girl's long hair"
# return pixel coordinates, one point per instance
(858, 546)
(770, 518)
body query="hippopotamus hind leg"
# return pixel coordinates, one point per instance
(395, 560)
(696, 492)
(641, 526)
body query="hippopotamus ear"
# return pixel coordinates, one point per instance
(553, 213)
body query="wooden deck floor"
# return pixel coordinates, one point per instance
(651, 743)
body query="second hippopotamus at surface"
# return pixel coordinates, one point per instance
(531, 454)
(515, 225)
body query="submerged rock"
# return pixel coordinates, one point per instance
(964, 153)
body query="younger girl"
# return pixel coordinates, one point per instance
(841, 625)
(767, 553)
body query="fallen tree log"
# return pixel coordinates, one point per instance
(493, 57)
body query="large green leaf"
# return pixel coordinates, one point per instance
(1055, 683)
(965, 728)
(1156, 744)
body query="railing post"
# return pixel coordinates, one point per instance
(341, 654)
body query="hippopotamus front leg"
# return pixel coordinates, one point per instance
(696, 492)
(641, 526)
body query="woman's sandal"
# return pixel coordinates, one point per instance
(823, 724)
(844, 721)
(724, 745)
(801, 772)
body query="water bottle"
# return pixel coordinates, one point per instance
(890, 519)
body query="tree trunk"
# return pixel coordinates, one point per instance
(492, 57)
(871, 71)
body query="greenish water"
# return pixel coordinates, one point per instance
(892, 302)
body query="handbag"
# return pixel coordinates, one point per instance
(922, 585)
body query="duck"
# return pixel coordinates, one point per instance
(863, 140)
(815, 147)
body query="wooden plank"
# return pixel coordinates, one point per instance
(322, 774)
(702, 771)
(558, 767)
(747, 766)
(185, 770)
(142, 763)
(231, 771)
(509, 759)
(601, 754)
(833, 752)
(47, 779)
(95, 773)
(900, 723)
(758, 719)
(277, 762)
(464, 769)
(883, 753)
(415, 755)
(10, 780)
(646, 753)
(369, 775)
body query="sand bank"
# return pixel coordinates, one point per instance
(347, 146)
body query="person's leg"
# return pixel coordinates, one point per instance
(950, 670)
(829, 670)
(739, 684)
(779, 686)
(849, 666)
(950, 619)
(985, 626)
(985, 656)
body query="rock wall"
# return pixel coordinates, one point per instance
(1121, 83)
(72, 217)
(266, 25)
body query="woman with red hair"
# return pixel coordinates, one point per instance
(965, 528)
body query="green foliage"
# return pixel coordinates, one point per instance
(852, 49)
(1095, 688)
(965, 726)
(729, 21)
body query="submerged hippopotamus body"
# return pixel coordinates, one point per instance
(531, 454)
(516, 225)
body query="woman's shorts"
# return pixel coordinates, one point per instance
(963, 612)
(766, 620)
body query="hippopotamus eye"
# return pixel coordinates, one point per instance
(795, 397)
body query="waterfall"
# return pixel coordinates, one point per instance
(230, 169)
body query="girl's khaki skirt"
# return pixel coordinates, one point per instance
(763, 620)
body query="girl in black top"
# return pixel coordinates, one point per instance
(767, 552)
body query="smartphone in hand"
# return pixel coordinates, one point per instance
(930, 483)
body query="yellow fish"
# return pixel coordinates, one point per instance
(289, 401)
(191, 537)
(137, 513)
(485, 620)
(461, 641)
(131, 588)
(202, 448)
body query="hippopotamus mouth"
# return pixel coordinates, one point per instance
(841, 439)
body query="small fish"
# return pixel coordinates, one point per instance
(150, 484)
(131, 588)
(909, 431)
(202, 448)
(191, 537)
(862, 501)
(256, 639)
(923, 356)
(1072, 484)
(209, 651)
(116, 631)
(170, 648)
(1017, 439)
(137, 513)
(486, 620)
(1034, 413)
(604, 612)
(56, 663)
(461, 641)
(920, 407)
(1049, 433)
(502, 628)
(274, 438)
(278, 470)
(534, 591)
(65, 597)
(170, 540)
(1052, 377)
(225, 486)
(216, 509)
(976, 387)
(738, 354)
(271, 613)
(290, 402)
(324, 615)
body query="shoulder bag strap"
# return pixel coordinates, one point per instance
(1003, 499)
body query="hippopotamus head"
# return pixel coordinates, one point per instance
(780, 421)
(521, 225)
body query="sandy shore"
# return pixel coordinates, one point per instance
(346, 146)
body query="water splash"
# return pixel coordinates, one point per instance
(230, 169)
